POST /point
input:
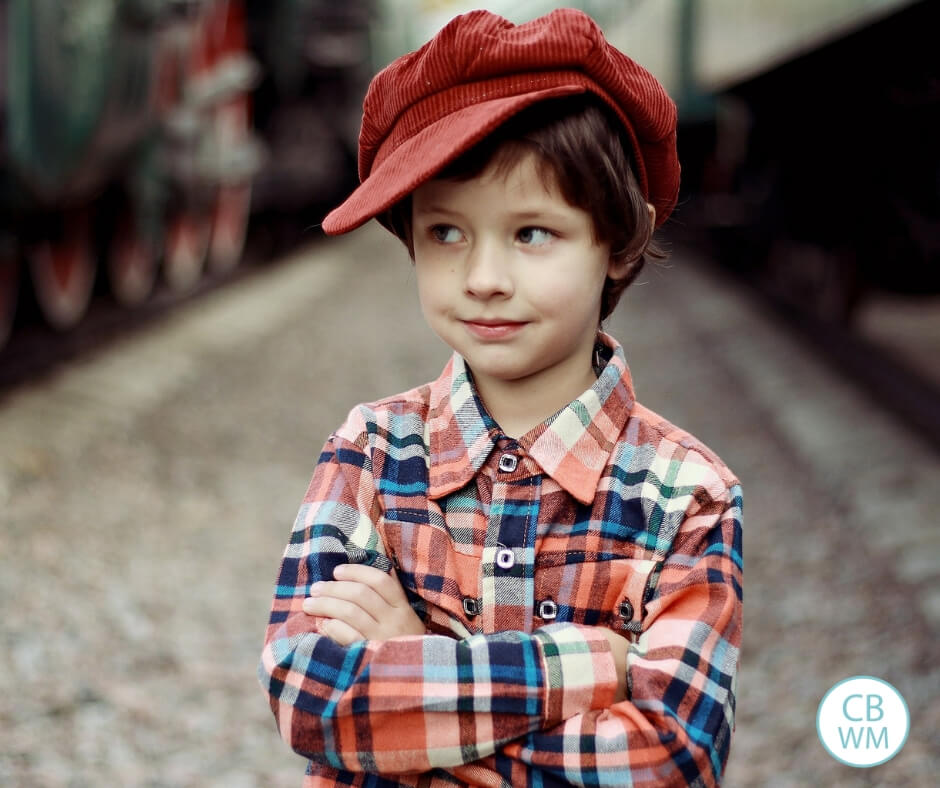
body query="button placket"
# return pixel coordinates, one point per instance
(506, 585)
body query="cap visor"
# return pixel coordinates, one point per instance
(421, 157)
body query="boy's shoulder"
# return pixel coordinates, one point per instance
(693, 460)
(397, 415)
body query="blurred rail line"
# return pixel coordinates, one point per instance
(36, 350)
(897, 384)
(883, 374)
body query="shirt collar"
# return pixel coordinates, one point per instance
(572, 447)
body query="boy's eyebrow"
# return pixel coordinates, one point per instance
(535, 214)
(434, 209)
(523, 215)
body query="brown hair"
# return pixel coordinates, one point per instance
(580, 151)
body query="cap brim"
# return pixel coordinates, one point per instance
(422, 156)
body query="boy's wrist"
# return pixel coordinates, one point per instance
(580, 670)
(619, 646)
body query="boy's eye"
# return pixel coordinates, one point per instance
(534, 236)
(445, 233)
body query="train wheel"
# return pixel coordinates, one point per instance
(63, 273)
(232, 131)
(9, 290)
(229, 227)
(132, 262)
(187, 245)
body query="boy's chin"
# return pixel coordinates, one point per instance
(508, 372)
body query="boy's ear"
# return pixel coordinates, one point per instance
(618, 267)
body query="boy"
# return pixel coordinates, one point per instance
(514, 575)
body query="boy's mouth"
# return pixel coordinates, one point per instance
(492, 328)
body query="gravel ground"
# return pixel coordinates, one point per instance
(147, 493)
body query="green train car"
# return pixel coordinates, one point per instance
(140, 137)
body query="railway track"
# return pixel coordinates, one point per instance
(881, 372)
(894, 382)
(35, 350)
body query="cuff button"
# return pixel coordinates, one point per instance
(471, 606)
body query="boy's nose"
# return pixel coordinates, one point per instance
(486, 272)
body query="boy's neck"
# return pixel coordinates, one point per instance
(519, 405)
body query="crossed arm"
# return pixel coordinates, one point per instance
(364, 603)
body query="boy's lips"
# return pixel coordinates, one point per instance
(492, 328)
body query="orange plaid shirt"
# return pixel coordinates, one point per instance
(515, 553)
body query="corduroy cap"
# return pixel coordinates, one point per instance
(430, 106)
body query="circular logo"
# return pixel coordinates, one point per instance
(863, 721)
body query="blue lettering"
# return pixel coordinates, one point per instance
(871, 707)
(854, 735)
(845, 709)
(884, 732)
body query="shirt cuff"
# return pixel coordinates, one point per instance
(579, 670)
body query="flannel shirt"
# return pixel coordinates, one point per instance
(515, 553)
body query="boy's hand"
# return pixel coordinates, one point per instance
(618, 647)
(362, 603)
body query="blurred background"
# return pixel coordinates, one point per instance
(177, 340)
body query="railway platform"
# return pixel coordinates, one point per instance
(147, 491)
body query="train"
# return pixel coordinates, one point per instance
(140, 138)
(808, 134)
(810, 151)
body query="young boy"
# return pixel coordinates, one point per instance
(515, 575)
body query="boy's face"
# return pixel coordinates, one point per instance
(510, 276)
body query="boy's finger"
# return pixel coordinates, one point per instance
(354, 591)
(385, 585)
(347, 611)
(341, 632)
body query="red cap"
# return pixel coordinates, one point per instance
(428, 107)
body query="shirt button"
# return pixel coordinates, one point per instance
(508, 463)
(505, 558)
(626, 610)
(548, 609)
(471, 606)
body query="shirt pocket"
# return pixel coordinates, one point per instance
(429, 565)
(600, 591)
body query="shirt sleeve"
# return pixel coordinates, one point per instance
(407, 704)
(675, 728)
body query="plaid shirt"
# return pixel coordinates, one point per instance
(515, 553)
